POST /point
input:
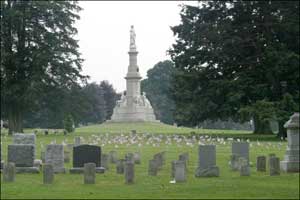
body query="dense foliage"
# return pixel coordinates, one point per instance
(39, 56)
(236, 59)
(158, 88)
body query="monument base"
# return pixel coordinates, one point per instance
(79, 170)
(212, 171)
(290, 166)
(31, 170)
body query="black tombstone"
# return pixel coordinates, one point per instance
(86, 154)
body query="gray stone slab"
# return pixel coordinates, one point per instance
(30, 170)
(105, 161)
(55, 156)
(120, 165)
(21, 154)
(152, 167)
(48, 174)
(21, 138)
(89, 173)
(207, 156)
(241, 149)
(274, 166)
(129, 172)
(261, 163)
(180, 171)
(9, 172)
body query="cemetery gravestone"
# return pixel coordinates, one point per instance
(20, 138)
(152, 168)
(129, 157)
(23, 157)
(241, 149)
(104, 161)
(180, 171)
(244, 167)
(291, 162)
(137, 158)
(274, 166)
(86, 154)
(113, 157)
(89, 173)
(120, 166)
(261, 163)
(207, 161)
(48, 174)
(9, 172)
(55, 156)
(129, 172)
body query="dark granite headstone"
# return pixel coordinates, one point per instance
(86, 154)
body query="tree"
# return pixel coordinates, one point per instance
(158, 88)
(231, 56)
(110, 97)
(69, 123)
(38, 54)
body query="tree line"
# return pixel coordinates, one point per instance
(233, 60)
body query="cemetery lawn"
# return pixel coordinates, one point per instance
(111, 185)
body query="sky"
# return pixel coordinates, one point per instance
(103, 34)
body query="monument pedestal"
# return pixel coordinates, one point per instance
(291, 161)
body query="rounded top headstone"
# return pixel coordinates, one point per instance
(293, 122)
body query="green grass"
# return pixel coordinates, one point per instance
(111, 185)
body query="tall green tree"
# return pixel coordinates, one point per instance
(110, 97)
(158, 88)
(235, 55)
(38, 52)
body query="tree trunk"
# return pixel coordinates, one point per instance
(281, 130)
(15, 120)
(261, 127)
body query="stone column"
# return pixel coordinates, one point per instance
(129, 172)
(274, 166)
(291, 161)
(48, 174)
(261, 163)
(9, 172)
(89, 173)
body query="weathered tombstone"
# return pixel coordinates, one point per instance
(180, 171)
(86, 154)
(9, 172)
(234, 162)
(244, 167)
(137, 158)
(274, 166)
(129, 172)
(160, 158)
(48, 173)
(207, 161)
(89, 173)
(23, 157)
(261, 163)
(152, 168)
(77, 141)
(120, 166)
(241, 149)
(113, 156)
(291, 161)
(104, 161)
(55, 156)
(67, 155)
(21, 138)
(129, 157)
(184, 157)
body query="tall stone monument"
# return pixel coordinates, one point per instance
(291, 160)
(133, 106)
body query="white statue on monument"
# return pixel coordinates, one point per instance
(132, 39)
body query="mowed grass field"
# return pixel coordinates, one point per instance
(174, 141)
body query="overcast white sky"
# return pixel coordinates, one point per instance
(103, 33)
